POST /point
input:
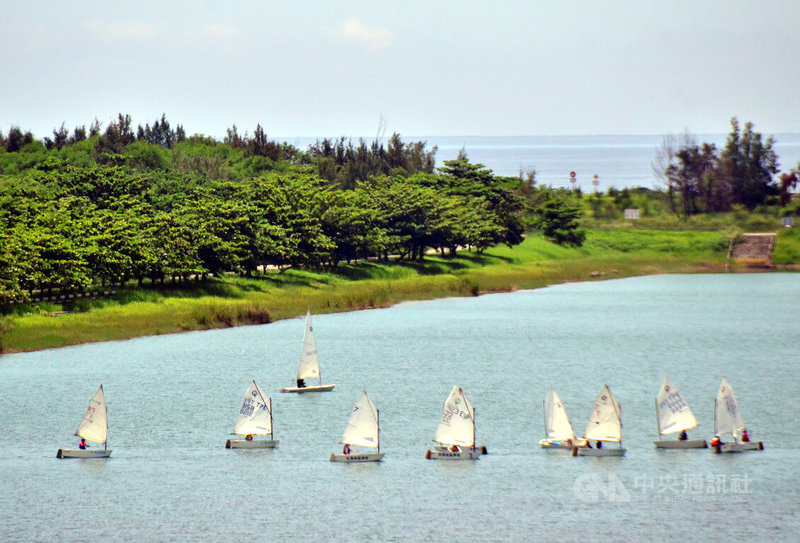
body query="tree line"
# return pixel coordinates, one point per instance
(699, 178)
(153, 204)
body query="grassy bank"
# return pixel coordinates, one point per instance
(235, 301)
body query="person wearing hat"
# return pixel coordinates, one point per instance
(716, 441)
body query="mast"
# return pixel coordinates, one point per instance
(544, 412)
(105, 443)
(271, 429)
(658, 420)
(474, 440)
(378, 422)
(715, 417)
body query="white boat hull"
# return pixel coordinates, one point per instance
(357, 457)
(83, 453)
(317, 388)
(738, 447)
(554, 444)
(480, 449)
(252, 444)
(678, 444)
(447, 454)
(605, 451)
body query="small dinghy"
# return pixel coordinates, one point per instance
(363, 430)
(309, 364)
(557, 427)
(728, 420)
(605, 425)
(672, 416)
(455, 436)
(254, 419)
(93, 427)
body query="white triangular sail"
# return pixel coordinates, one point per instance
(457, 426)
(255, 414)
(556, 422)
(94, 425)
(362, 428)
(673, 412)
(727, 417)
(309, 362)
(605, 424)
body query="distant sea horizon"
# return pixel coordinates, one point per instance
(619, 161)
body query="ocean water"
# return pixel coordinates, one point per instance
(173, 399)
(618, 161)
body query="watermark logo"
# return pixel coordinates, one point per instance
(697, 487)
(597, 487)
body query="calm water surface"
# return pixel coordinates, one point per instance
(173, 399)
(618, 161)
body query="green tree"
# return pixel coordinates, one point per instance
(557, 218)
(748, 164)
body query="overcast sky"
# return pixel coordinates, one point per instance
(427, 68)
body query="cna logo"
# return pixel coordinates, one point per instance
(597, 487)
(666, 388)
(254, 393)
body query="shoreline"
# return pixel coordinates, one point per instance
(143, 319)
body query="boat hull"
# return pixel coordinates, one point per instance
(83, 453)
(554, 444)
(317, 388)
(606, 451)
(447, 454)
(738, 447)
(357, 457)
(678, 444)
(252, 444)
(480, 449)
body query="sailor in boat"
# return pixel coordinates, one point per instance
(82, 445)
(745, 436)
(599, 444)
(716, 441)
(455, 448)
(248, 437)
(346, 449)
(301, 383)
(683, 436)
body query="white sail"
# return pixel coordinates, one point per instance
(556, 421)
(362, 428)
(94, 425)
(673, 412)
(727, 417)
(255, 414)
(457, 426)
(605, 424)
(309, 362)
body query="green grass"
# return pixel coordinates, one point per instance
(233, 301)
(787, 247)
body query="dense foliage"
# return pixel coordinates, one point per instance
(109, 206)
(701, 178)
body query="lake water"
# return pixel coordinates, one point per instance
(618, 161)
(173, 399)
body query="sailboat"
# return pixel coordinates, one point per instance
(605, 424)
(309, 363)
(557, 426)
(93, 427)
(728, 420)
(673, 415)
(455, 436)
(254, 419)
(363, 430)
